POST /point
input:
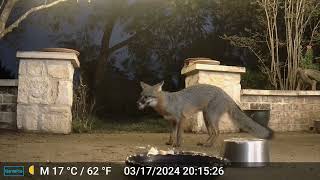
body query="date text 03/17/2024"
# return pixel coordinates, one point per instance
(173, 171)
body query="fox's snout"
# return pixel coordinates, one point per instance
(141, 103)
(145, 101)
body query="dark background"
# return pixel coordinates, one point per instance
(139, 40)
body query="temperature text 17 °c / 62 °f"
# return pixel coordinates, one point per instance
(74, 171)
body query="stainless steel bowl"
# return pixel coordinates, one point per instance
(247, 152)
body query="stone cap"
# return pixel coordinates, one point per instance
(40, 55)
(200, 60)
(8, 82)
(256, 92)
(214, 68)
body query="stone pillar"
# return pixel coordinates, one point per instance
(226, 77)
(45, 90)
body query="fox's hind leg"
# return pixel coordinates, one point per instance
(170, 141)
(209, 128)
(211, 117)
(213, 132)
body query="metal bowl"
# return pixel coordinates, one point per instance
(247, 152)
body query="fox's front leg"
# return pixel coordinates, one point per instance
(170, 141)
(178, 132)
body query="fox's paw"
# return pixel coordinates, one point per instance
(205, 144)
(200, 144)
(175, 145)
(208, 145)
(169, 143)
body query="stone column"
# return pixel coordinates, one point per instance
(226, 77)
(45, 90)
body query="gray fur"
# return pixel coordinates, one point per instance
(213, 101)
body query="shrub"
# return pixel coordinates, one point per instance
(82, 109)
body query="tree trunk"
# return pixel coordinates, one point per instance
(104, 54)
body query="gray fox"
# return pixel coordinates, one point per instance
(211, 100)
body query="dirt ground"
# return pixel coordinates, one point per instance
(102, 147)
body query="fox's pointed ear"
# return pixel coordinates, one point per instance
(159, 86)
(161, 83)
(143, 85)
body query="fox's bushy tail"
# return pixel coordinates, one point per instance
(246, 123)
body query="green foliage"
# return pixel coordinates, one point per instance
(307, 60)
(254, 79)
(82, 125)
(163, 32)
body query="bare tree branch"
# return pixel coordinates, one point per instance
(6, 13)
(1, 4)
(314, 31)
(24, 16)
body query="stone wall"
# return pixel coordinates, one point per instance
(8, 104)
(45, 91)
(289, 110)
